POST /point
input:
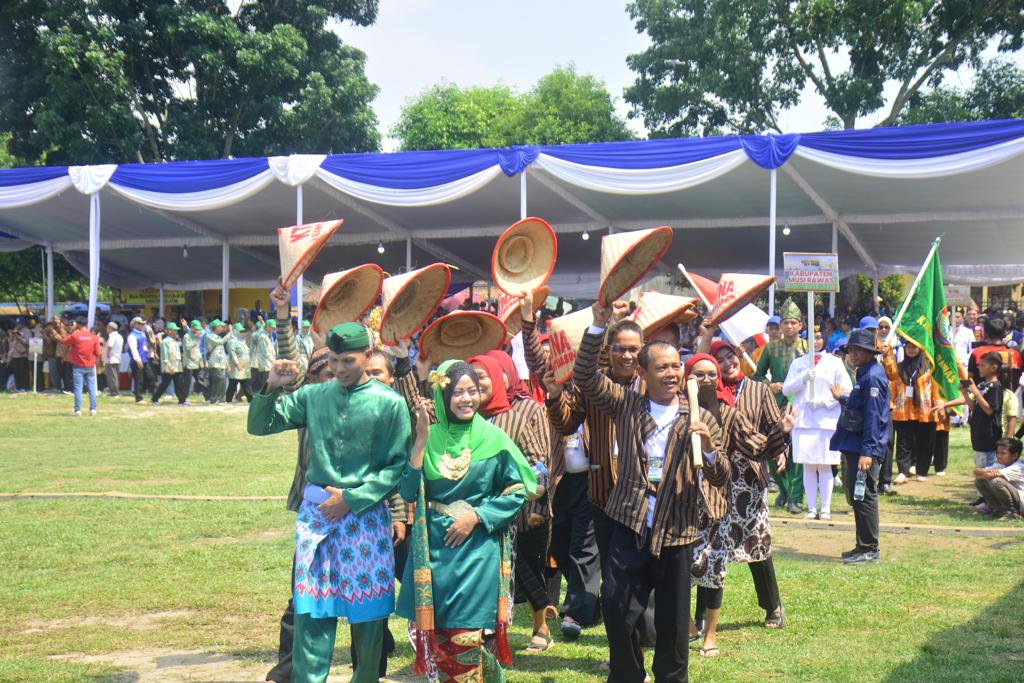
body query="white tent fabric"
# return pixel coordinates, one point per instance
(878, 197)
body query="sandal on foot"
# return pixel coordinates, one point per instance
(539, 642)
(777, 619)
(709, 652)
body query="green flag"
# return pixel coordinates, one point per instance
(925, 322)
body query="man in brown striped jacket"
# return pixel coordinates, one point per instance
(655, 505)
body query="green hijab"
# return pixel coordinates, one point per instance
(483, 439)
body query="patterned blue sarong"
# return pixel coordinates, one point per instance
(344, 568)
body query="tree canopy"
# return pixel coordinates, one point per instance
(721, 66)
(996, 93)
(563, 107)
(139, 80)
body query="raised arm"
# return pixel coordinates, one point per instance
(609, 397)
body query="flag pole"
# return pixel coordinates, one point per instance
(913, 288)
(707, 305)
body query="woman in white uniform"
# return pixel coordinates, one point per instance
(816, 415)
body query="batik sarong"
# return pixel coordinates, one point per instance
(344, 568)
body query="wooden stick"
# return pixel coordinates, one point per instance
(691, 397)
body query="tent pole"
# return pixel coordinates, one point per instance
(874, 293)
(408, 254)
(94, 255)
(225, 269)
(835, 250)
(49, 282)
(522, 195)
(161, 300)
(771, 242)
(300, 282)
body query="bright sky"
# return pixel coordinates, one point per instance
(415, 44)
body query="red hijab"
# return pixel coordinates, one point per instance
(730, 387)
(499, 398)
(516, 386)
(723, 395)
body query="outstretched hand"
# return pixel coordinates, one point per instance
(281, 298)
(282, 373)
(526, 308)
(788, 419)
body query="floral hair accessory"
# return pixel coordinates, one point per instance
(439, 380)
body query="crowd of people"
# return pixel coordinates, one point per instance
(477, 487)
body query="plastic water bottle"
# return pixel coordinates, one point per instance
(861, 485)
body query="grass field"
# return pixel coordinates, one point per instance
(164, 589)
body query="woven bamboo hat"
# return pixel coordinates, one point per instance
(564, 337)
(347, 295)
(461, 335)
(736, 290)
(524, 256)
(706, 289)
(511, 316)
(299, 246)
(408, 300)
(655, 311)
(627, 256)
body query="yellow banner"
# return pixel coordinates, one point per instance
(151, 297)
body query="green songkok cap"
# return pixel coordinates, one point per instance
(790, 311)
(272, 324)
(348, 337)
(216, 322)
(172, 326)
(196, 325)
(239, 327)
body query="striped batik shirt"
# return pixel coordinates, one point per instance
(681, 495)
(527, 425)
(757, 404)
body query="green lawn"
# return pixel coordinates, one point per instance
(98, 589)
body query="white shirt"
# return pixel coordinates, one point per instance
(115, 347)
(1013, 473)
(664, 417)
(576, 460)
(963, 339)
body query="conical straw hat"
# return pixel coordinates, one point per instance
(347, 295)
(706, 289)
(461, 335)
(524, 256)
(564, 336)
(508, 309)
(655, 311)
(627, 256)
(408, 300)
(736, 290)
(299, 245)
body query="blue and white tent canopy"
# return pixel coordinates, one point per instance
(888, 191)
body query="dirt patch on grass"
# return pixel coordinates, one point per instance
(265, 536)
(161, 665)
(137, 622)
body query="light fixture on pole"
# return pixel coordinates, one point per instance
(184, 251)
(585, 236)
(380, 247)
(786, 230)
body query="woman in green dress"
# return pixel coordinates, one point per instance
(469, 481)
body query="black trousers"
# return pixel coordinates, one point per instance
(575, 548)
(885, 472)
(940, 451)
(765, 584)
(196, 377)
(914, 443)
(259, 378)
(142, 379)
(865, 512)
(603, 528)
(180, 391)
(242, 386)
(19, 367)
(531, 564)
(632, 576)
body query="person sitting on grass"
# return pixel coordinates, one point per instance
(1002, 485)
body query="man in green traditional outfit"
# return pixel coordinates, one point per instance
(775, 360)
(263, 355)
(217, 360)
(359, 436)
(191, 355)
(305, 340)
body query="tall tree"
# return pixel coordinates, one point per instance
(563, 107)
(719, 65)
(996, 93)
(150, 80)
